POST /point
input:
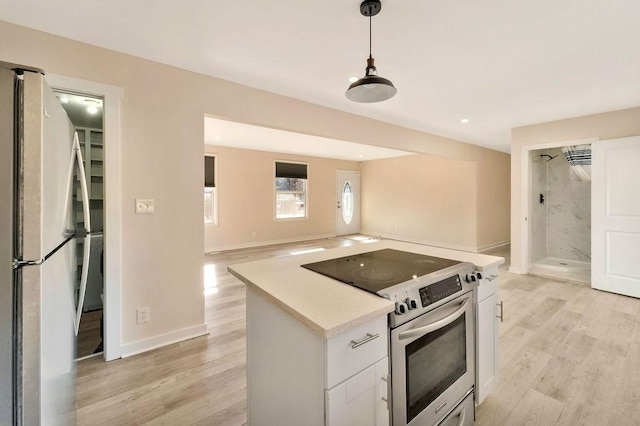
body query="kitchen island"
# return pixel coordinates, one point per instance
(317, 348)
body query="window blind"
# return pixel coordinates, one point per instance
(291, 170)
(209, 172)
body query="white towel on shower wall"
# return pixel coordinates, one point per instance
(579, 157)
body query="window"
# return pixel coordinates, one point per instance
(210, 204)
(291, 190)
(347, 203)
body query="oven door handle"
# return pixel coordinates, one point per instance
(426, 329)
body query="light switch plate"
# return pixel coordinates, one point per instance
(144, 206)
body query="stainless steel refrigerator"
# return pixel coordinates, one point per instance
(38, 259)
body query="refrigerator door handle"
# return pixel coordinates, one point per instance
(76, 158)
(83, 282)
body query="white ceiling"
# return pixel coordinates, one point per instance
(499, 63)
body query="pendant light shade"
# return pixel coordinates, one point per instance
(370, 88)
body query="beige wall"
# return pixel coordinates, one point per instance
(609, 125)
(162, 137)
(437, 200)
(493, 195)
(421, 198)
(245, 186)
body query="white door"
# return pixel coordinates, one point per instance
(348, 202)
(615, 215)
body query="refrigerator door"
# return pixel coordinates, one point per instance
(58, 280)
(6, 244)
(48, 341)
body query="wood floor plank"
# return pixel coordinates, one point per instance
(626, 407)
(558, 380)
(513, 342)
(596, 382)
(519, 307)
(535, 409)
(155, 399)
(549, 336)
(520, 375)
(542, 313)
(577, 346)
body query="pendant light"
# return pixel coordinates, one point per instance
(370, 88)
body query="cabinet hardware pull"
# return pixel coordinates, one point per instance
(387, 399)
(461, 417)
(501, 316)
(369, 337)
(444, 404)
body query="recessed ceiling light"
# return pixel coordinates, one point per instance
(92, 105)
(217, 138)
(353, 79)
(360, 156)
(464, 120)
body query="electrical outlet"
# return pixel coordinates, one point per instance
(144, 206)
(142, 315)
(254, 233)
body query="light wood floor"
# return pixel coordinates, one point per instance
(570, 355)
(88, 338)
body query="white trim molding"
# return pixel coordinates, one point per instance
(469, 249)
(525, 195)
(112, 194)
(215, 249)
(161, 340)
(493, 246)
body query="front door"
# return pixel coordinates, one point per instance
(348, 202)
(615, 232)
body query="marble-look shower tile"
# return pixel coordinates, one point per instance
(569, 212)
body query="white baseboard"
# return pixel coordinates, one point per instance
(155, 342)
(420, 241)
(493, 246)
(266, 243)
(518, 271)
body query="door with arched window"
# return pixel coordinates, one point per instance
(348, 202)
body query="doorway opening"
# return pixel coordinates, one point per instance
(560, 212)
(87, 116)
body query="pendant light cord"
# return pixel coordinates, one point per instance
(370, 31)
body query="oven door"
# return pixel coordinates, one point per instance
(432, 363)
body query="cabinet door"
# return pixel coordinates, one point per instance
(487, 356)
(361, 399)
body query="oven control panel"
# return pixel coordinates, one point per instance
(440, 290)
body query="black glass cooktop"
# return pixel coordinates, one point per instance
(380, 269)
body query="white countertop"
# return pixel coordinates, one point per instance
(325, 305)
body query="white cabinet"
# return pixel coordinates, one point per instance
(297, 377)
(361, 399)
(487, 337)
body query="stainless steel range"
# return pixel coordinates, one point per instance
(431, 331)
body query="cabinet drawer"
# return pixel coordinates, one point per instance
(488, 284)
(352, 351)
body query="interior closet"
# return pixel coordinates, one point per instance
(86, 114)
